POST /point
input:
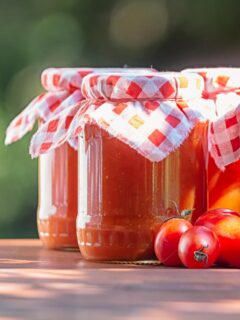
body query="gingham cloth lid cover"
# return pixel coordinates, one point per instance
(153, 113)
(161, 85)
(63, 90)
(222, 85)
(63, 86)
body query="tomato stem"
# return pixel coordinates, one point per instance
(184, 213)
(201, 256)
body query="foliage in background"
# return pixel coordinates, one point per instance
(35, 34)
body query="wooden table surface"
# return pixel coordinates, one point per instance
(40, 284)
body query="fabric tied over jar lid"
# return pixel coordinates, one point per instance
(161, 85)
(223, 86)
(63, 90)
(153, 112)
(63, 87)
(60, 81)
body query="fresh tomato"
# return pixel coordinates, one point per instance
(226, 224)
(198, 248)
(166, 242)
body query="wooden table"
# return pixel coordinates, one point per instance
(40, 284)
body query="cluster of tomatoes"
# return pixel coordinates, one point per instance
(213, 239)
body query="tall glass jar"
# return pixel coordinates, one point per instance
(123, 196)
(57, 206)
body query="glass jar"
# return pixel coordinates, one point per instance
(124, 197)
(138, 163)
(57, 205)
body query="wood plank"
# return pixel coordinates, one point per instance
(40, 284)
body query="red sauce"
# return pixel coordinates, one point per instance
(57, 210)
(124, 197)
(224, 187)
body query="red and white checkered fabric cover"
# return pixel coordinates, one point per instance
(63, 86)
(222, 85)
(163, 85)
(153, 113)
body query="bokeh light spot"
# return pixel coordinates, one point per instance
(138, 24)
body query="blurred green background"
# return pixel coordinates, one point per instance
(170, 34)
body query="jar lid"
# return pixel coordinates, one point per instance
(218, 80)
(56, 79)
(148, 85)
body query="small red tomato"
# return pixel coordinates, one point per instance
(226, 225)
(166, 242)
(198, 248)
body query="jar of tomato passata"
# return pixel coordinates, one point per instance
(57, 206)
(141, 160)
(222, 86)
